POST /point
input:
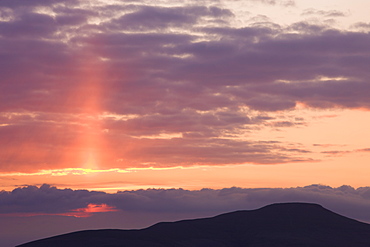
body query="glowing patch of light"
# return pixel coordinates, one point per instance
(214, 111)
(151, 168)
(104, 59)
(91, 209)
(325, 78)
(193, 167)
(44, 11)
(64, 172)
(90, 162)
(109, 115)
(316, 79)
(10, 115)
(78, 213)
(161, 136)
(87, 171)
(7, 15)
(182, 56)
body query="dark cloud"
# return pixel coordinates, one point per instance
(197, 151)
(18, 7)
(30, 24)
(345, 200)
(157, 18)
(44, 199)
(286, 124)
(361, 26)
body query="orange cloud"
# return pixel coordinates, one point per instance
(91, 209)
(79, 213)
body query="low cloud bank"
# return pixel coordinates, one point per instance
(354, 203)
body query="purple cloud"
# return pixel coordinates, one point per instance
(47, 199)
(148, 18)
(62, 68)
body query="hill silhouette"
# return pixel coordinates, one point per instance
(276, 225)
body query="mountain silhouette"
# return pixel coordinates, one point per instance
(276, 225)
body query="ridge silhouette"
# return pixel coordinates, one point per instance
(276, 225)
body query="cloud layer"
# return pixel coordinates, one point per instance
(49, 200)
(161, 84)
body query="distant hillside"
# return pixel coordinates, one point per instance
(276, 225)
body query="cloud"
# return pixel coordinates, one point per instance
(327, 13)
(146, 18)
(275, 2)
(34, 3)
(361, 26)
(45, 199)
(49, 200)
(343, 152)
(120, 73)
(197, 151)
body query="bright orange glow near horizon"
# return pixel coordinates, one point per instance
(88, 93)
(332, 152)
(78, 213)
(91, 209)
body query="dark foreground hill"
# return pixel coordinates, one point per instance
(285, 225)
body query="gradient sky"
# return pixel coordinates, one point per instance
(109, 98)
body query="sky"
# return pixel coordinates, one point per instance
(120, 114)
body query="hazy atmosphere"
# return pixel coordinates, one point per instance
(120, 114)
